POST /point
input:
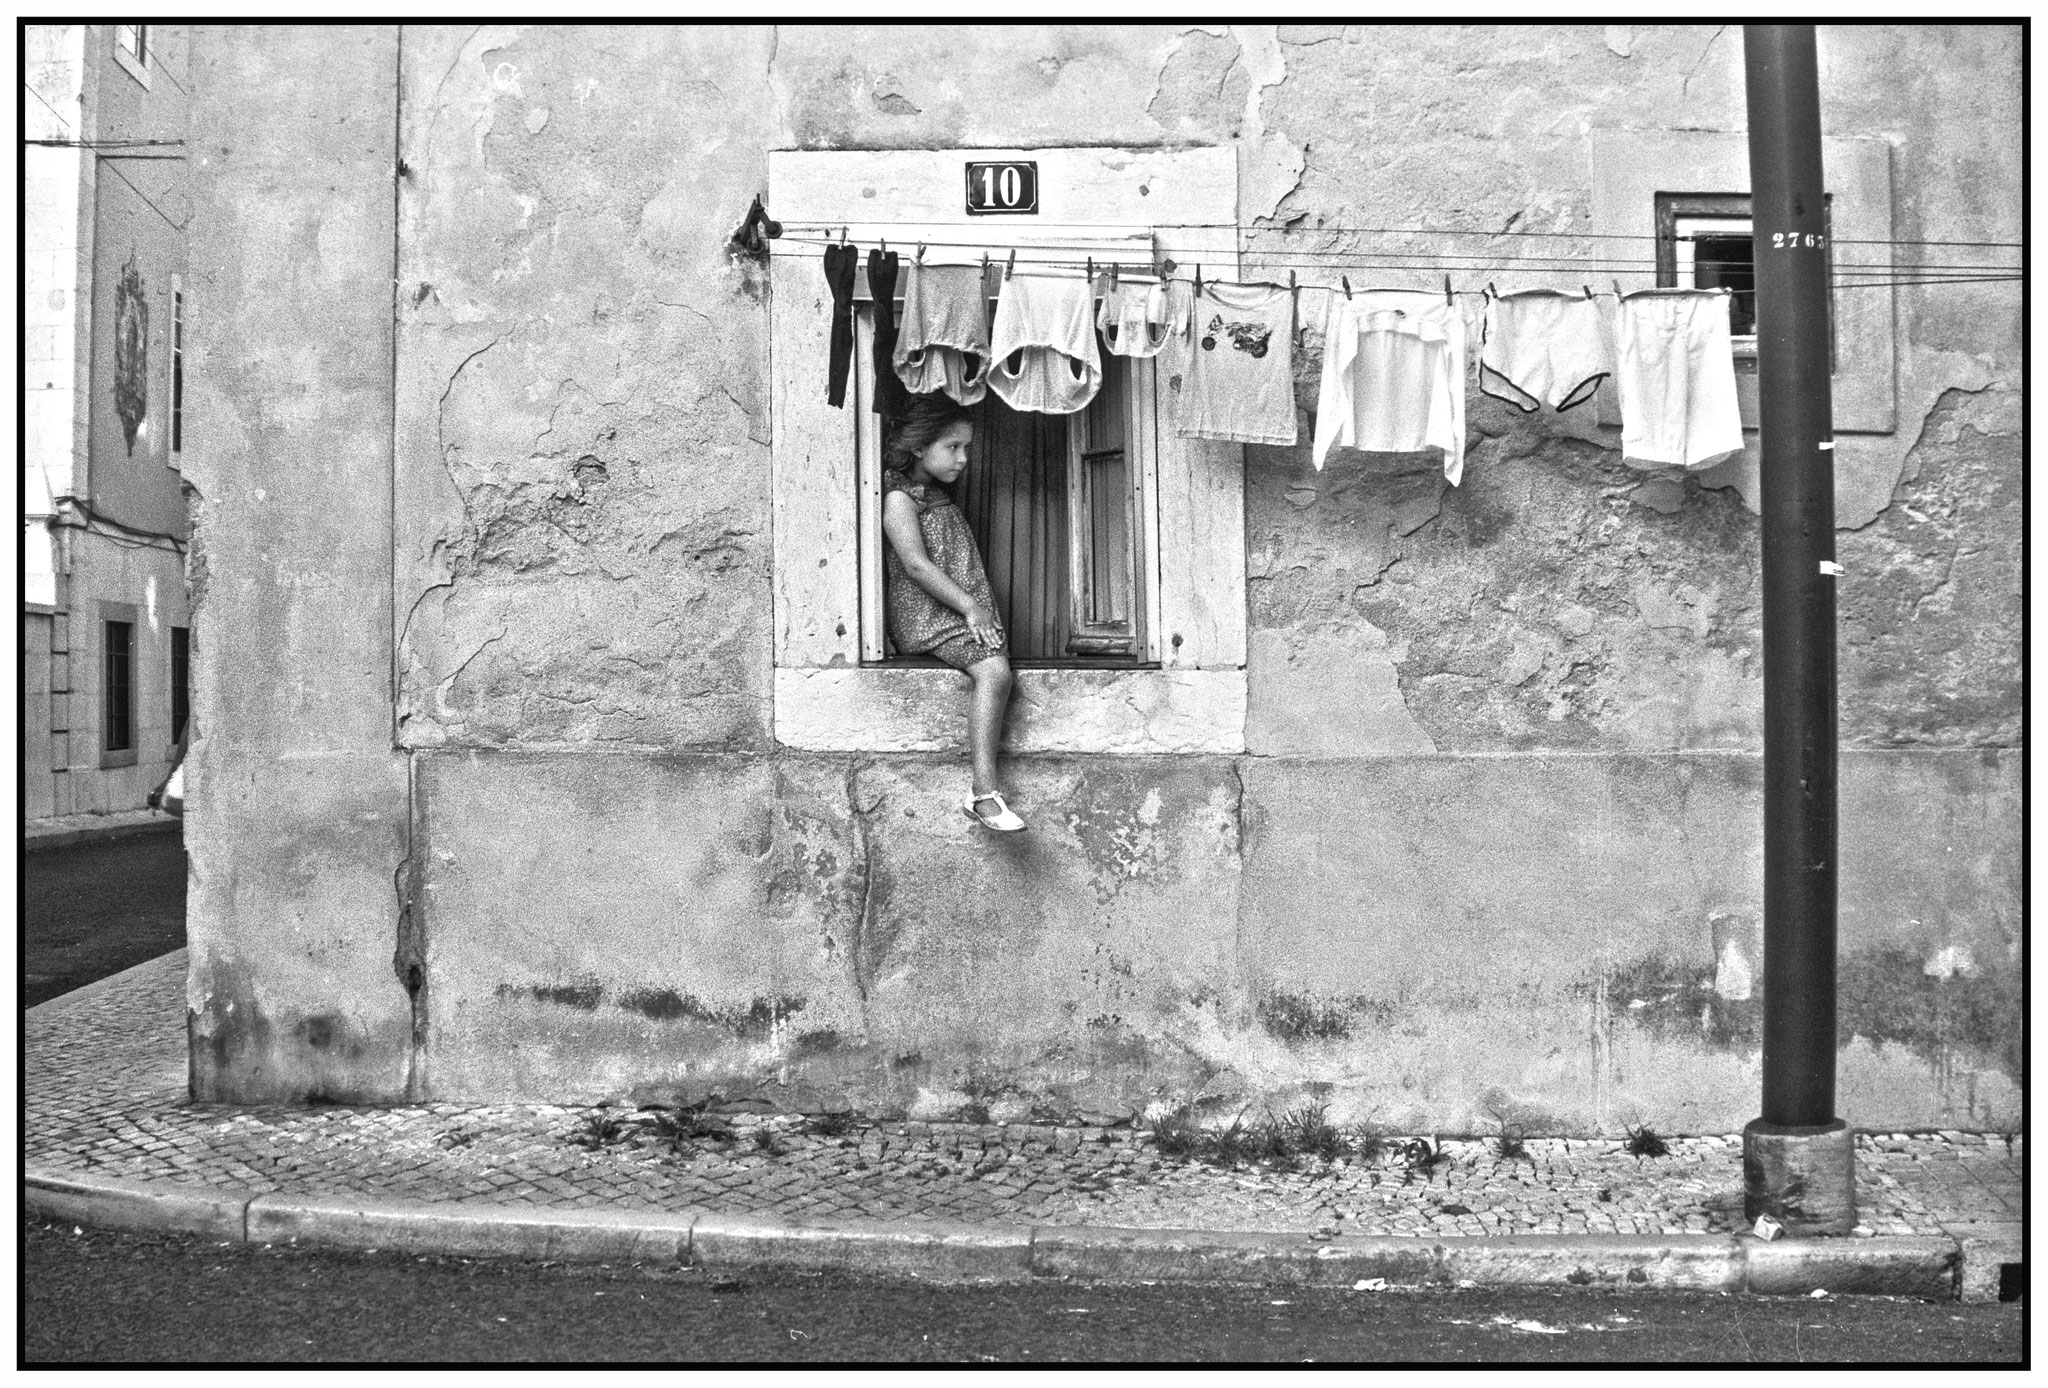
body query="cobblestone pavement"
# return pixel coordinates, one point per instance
(105, 1094)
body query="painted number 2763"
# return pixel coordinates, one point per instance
(1795, 240)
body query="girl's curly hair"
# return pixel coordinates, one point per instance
(927, 417)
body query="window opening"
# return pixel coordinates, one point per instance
(1058, 505)
(118, 724)
(181, 681)
(1707, 241)
(177, 367)
(133, 39)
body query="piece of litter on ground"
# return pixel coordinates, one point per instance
(1529, 1327)
(1078, 1310)
(1818, 1291)
(1369, 1284)
(798, 1335)
(1467, 1282)
(1279, 1303)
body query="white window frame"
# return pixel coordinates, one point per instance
(826, 508)
(1687, 226)
(133, 61)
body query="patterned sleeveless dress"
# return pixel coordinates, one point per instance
(919, 623)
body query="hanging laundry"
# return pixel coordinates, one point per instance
(1545, 347)
(891, 399)
(1240, 371)
(1044, 354)
(840, 262)
(1135, 319)
(1393, 376)
(942, 342)
(1675, 369)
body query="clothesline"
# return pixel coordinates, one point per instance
(1442, 231)
(1376, 259)
(1857, 277)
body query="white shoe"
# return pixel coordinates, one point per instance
(1004, 819)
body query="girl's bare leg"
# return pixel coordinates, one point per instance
(985, 723)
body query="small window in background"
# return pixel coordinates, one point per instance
(118, 689)
(133, 39)
(1706, 241)
(181, 681)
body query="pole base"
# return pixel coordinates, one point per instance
(1805, 1178)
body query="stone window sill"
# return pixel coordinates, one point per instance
(1109, 711)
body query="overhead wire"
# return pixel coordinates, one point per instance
(116, 172)
(1434, 231)
(1377, 258)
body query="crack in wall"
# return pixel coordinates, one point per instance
(863, 863)
(409, 952)
(462, 497)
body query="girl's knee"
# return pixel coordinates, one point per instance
(995, 673)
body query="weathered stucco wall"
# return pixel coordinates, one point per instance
(297, 834)
(1493, 842)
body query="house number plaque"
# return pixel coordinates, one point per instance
(1002, 189)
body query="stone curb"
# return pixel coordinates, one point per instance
(34, 840)
(1930, 1268)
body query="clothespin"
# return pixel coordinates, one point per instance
(1090, 273)
(1010, 270)
(1347, 285)
(1447, 289)
(1198, 281)
(920, 252)
(1491, 292)
(1588, 288)
(842, 234)
(1617, 287)
(984, 263)
(885, 245)
(1113, 268)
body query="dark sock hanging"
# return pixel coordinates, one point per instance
(840, 262)
(890, 396)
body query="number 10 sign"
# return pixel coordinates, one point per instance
(1000, 189)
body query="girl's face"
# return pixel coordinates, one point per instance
(945, 457)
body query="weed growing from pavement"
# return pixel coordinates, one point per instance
(1284, 1142)
(1422, 1155)
(1508, 1142)
(831, 1124)
(1178, 1134)
(1367, 1139)
(600, 1130)
(1643, 1142)
(1307, 1130)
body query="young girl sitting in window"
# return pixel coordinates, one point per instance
(938, 595)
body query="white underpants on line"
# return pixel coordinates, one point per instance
(1675, 369)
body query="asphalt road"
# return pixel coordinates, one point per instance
(94, 909)
(95, 1296)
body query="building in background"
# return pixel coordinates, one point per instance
(106, 631)
(553, 752)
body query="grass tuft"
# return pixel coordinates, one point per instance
(1644, 1142)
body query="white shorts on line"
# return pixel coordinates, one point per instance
(1675, 369)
